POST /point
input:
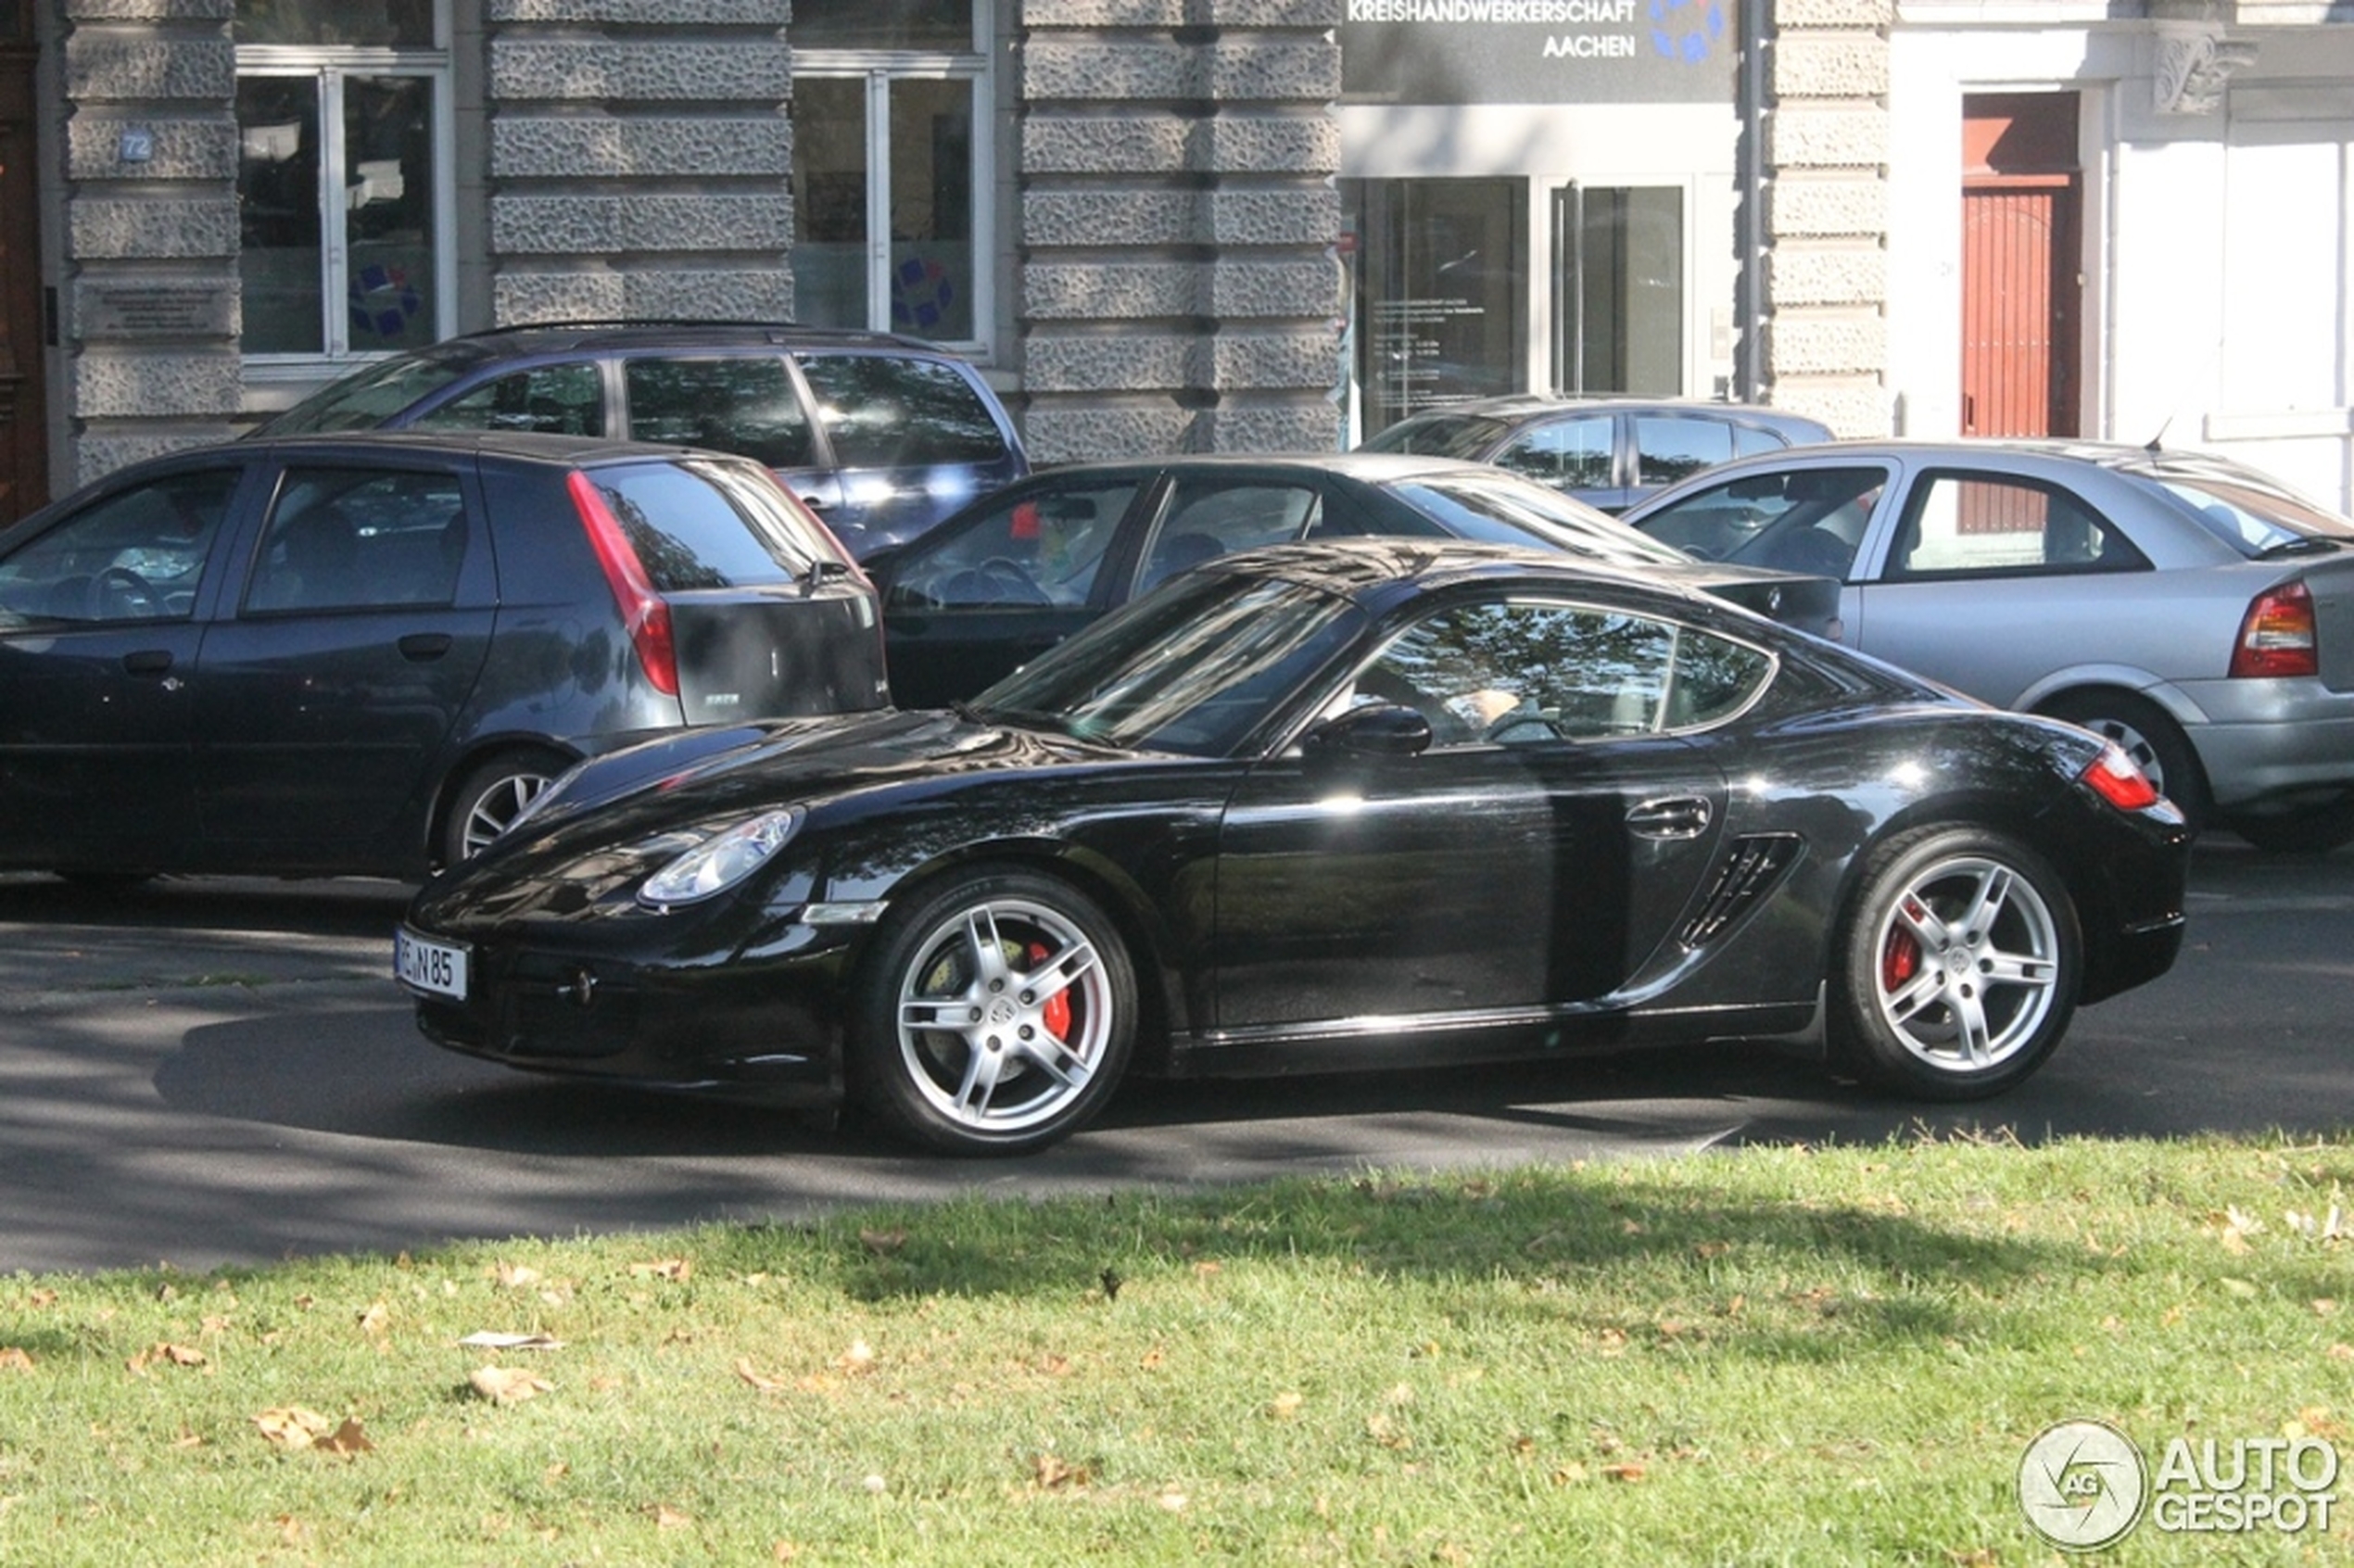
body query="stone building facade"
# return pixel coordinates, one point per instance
(1169, 201)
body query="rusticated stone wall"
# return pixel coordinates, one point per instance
(1177, 207)
(641, 159)
(149, 300)
(1826, 212)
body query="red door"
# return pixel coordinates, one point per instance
(2021, 240)
(24, 434)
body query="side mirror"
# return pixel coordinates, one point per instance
(1374, 731)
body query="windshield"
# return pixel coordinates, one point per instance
(1439, 435)
(1193, 669)
(2252, 517)
(367, 397)
(1500, 509)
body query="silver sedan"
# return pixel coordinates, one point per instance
(2198, 611)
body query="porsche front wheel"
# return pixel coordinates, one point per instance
(996, 1016)
(1957, 967)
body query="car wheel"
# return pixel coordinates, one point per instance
(2144, 733)
(489, 799)
(996, 1016)
(2314, 830)
(1957, 965)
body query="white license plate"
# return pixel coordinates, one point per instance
(422, 963)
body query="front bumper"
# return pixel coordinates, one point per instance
(767, 1024)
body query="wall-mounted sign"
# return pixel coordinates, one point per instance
(1538, 51)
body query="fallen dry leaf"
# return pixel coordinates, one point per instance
(291, 1426)
(1053, 1473)
(859, 1358)
(486, 1340)
(346, 1439)
(663, 1269)
(882, 1243)
(514, 1276)
(765, 1385)
(1629, 1471)
(669, 1518)
(508, 1385)
(15, 1359)
(168, 1354)
(376, 1322)
(1285, 1407)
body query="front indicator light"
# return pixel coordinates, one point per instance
(720, 861)
(2115, 779)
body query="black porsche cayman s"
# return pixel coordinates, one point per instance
(1358, 804)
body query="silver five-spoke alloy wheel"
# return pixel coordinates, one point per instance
(1969, 964)
(1005, 1013)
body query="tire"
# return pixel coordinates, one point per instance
(490, 797)
(2312, 831)
(1957, 965)
(955, 1043)
(2148, 735)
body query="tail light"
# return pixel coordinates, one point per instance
(2115, 778)
(642, 609)
(2276, 636)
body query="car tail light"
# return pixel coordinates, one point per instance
(2115, 778)
(2276, 636)
(642, 609)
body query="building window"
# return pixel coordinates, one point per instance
(344, 187)
(1442, 308)
(890, 149)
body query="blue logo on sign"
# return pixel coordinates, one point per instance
(1687, 31)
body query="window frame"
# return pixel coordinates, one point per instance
(879, 69)
(331, 66)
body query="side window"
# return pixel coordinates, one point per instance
(745, 405)
(882, 411)
(1516, 674)
(1673, 447)
(138, 555)
(1977, 523)
(1040, 550)
(1206, 521)
(1569, 454)
(552, 400)
(346, 539)
(1808, 520)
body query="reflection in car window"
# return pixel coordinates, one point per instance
(707, 525)
(1043, 549)
(138, 555)
(1519, 672)
(2252, 519)
(1673, 447)
(1808, 520)
(1504, 509)
(1569, 454)
(365, 398)
(1439, 435)
(886, 411)
(1193, 669)
(1982, 523)
(566, 400)
(1207, 519)
(341, 538)
(743, 404)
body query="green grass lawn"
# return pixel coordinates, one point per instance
(1799, 1356)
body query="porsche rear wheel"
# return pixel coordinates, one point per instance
(1958, 965)
(996, 1016)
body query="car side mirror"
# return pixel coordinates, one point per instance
(1374, 730)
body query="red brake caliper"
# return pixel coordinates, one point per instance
(1900, 959)
(1056, 1015)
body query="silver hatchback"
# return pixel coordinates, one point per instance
(2198, 611)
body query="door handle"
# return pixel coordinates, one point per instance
(424, 647)
(1677, 817)
(815, 503)
(148, 662)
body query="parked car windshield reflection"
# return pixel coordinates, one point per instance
(1193, 669)
(1512, 512)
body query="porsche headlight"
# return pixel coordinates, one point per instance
(722, 860)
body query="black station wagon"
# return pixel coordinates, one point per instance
(881, 435)
(365, 654)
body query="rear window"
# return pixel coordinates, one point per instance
(1505, 510)
(886, 411)
(366, 399)
(2251, 518)
(703, 525)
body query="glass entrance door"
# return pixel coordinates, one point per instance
(1618, 289)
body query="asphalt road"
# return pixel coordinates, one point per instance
(220, 1070)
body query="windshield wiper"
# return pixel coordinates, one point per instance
(2299, 544)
